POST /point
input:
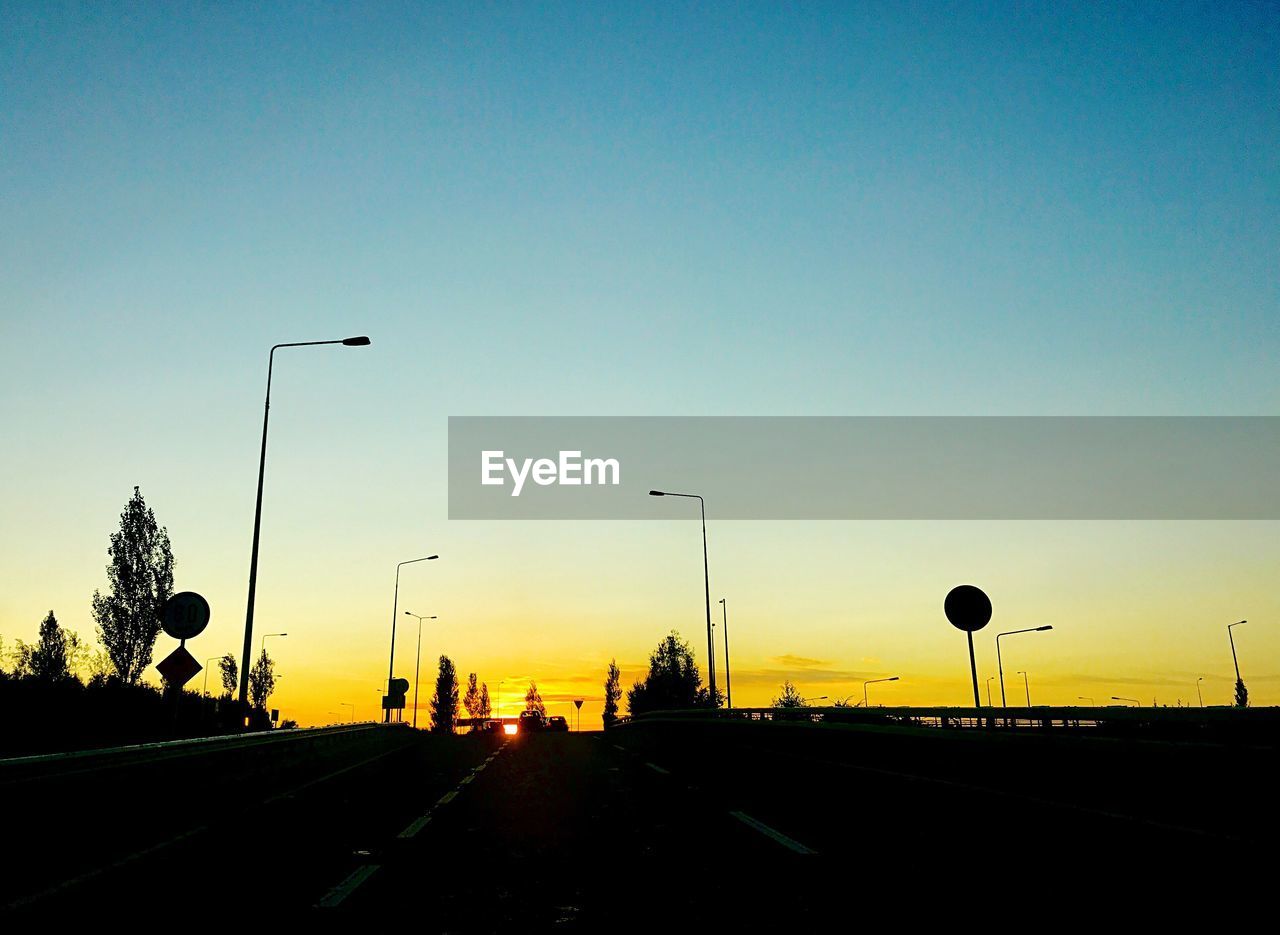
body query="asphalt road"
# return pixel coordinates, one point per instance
(665, 827)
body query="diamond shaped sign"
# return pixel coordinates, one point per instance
(178, 667)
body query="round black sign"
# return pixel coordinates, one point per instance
(968, 608)
(185, 615)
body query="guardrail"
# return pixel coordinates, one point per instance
(1216, 721)
(191, 745)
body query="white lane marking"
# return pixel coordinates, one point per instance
(98, 871)
(416, 826)
(789, 843)
(618, 748)
(467, 778)
(447, 797)
(658, 769)
(335, 896)
(337, 772)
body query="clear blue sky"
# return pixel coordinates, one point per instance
(845, 208)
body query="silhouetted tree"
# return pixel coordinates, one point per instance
(612, 693)
(486, 709)
(471, 700)
(262, 681)
(790, 697)
(1242, 694)
(673, 680)
(140, 577)
(533, 700)
(230, 670)
(52, 658)
(444, 703)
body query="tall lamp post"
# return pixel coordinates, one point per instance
(1026, 685)
(417, 668)
(706, 577)
(728, 681)
(1239, 681)
(348, 704)
(395, 603)
(892, 678)
(989, 680)
(1134, 700)
(1000, 663)
(263, 648)
(360, 341)
(205, 690)
(1200, 694)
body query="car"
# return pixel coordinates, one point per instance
(557, 723)
(531, 721)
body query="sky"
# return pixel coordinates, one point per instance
(626, 209)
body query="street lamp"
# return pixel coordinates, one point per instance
(1199, 694)
(1239, 681)
(205, 690)
(989, 680)
(360, 341)
(728, 682)
(706, 578)
(417, 668)
(892, 678)
(263, 648)
(1134, 700)
(1000, 663)
(1026, 685)
(395, 602)
(348, 704)
(1085, 698)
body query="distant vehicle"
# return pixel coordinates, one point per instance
(492, 727)
(557, 723)
(531, 721)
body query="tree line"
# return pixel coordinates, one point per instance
(77, 693)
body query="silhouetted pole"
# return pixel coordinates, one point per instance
(1199, 694)
(1026, 685)
(417, 666)
(706, 578)
(1234, 660)
(989, 678)
(348, 704)
(1000, 663)
(257, 514)
(205, 690)
(865, 704)
(395, 603)
(1085, 698)
(1134, 700)
(263, 647)
(728, 681)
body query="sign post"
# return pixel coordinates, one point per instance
(185, 615)
(968, 608)
(577, 703)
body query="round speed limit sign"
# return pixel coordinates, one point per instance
(185, 615)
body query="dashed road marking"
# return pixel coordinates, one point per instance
(790, 844)
(467, 778)
(335, 896)
(447, 797)
(415, 826)
(658, 769)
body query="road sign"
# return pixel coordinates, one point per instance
(578, 703)
(178, 668)
(185, 615)
(399, 686)
(968, 608)
(393, 702)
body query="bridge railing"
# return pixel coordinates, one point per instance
(1157, 720)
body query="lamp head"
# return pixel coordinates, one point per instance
(656, 493)
(1042, 629)
(360, 341)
